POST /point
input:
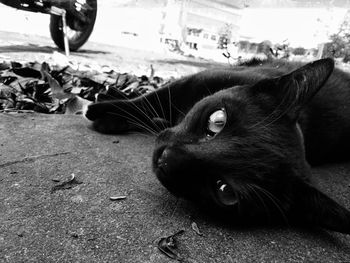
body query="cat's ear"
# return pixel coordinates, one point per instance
(294, 90)
(317, 209)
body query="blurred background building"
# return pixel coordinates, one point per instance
(200, 23)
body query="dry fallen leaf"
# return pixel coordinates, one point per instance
(116, 198)
(76, 105)
(168, 245)
(70, 183)
(27, 72)
(64, 87)
(56, 89)
(196, 229)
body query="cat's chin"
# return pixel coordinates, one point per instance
(169, 183)
(177, 187)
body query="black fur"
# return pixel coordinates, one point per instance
(279, 115)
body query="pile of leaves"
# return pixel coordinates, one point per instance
(39, 87)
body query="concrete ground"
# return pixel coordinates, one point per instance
(82, 224)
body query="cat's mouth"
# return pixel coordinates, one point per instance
(225, 194)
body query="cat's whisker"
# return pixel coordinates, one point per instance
(143, 113)
(143, 134)
(270, 118)
(182, 113)
(272, 114)
(266, 208)
(244, 193)
(274, 200)
(279, 114)
(132, 118)
(150, 107)
(142, 127)
(139, 109)
(152, 113)
(161, 108)
(170, 112)
(135, 120)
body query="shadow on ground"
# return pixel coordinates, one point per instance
(43, 49)
(200, 63)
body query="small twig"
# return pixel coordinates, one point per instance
(196, 229)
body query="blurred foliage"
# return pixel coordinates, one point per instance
(339, 47)
(299, 51)
(225, 35)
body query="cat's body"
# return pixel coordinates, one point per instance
(239, 138)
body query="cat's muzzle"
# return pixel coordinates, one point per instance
(164, 170)
(173, 168)
(178, 172)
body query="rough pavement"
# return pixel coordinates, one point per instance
(82, 224)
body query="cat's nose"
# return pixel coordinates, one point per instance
(163, 156)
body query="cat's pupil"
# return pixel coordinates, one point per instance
(216, 122)
(225, 193)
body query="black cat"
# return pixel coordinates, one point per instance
(240, 138)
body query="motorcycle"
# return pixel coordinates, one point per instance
(71, 22)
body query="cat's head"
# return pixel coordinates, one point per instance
(240, 152)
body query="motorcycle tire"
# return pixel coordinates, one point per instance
(77, 38)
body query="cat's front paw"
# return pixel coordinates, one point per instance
(94, 111)
(105, 120)
(109, 124)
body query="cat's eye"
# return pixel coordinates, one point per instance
(216, 123)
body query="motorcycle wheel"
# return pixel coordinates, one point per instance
(77, 35)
